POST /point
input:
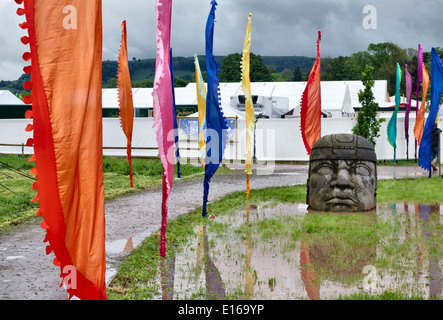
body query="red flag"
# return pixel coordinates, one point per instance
(125, 97)
(310, 112)
(66, 81)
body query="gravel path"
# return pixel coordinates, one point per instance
(27, 273)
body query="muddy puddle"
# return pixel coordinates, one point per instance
(285, 252)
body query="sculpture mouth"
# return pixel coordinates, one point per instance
(341, 201)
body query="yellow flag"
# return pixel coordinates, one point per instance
(246, 86)
(201, 102)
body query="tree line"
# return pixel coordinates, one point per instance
(383, 57)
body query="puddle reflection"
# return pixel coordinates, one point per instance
(280, 252)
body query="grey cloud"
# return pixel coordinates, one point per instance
(280, 27)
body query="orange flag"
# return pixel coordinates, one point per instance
(125, 97)
(420, 120)
(65, 39)
(310, 112)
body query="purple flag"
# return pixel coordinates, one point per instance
(408, 107)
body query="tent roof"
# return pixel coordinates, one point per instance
(333, 93)
(8, 98)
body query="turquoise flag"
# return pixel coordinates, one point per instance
(392, 125)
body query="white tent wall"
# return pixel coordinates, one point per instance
(288, 144)
(142, 137)
(113, 136)
(12, 132)
(275, 139)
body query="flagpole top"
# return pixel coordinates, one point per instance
(250, 15)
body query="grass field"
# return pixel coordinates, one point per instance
(16, 183)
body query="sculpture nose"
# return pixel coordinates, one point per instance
(342, 180)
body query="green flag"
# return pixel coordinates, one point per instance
(392, 125)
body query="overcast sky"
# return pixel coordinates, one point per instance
(279, 27)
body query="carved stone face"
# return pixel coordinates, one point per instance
(342, 174)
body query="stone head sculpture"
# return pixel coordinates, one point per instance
(342, 174)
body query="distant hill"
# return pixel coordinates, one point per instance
(184, 68)
(289, 62)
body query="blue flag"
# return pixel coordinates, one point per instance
(216, 125)
(424, 153)
(174, 114)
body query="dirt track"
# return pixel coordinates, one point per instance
(27, 273)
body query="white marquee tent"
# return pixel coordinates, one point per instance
(7, 98)
(337, 96)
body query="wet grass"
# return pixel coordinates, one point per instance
(423, 190)
(16, 190)
(341, 245)
(357, 234)
(385, 295)
(135, 279)
(16, 180)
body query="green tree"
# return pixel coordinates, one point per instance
(180, 83)
(385, 57)
(145, 83)
(367, 126)
(287, 74)
(335, 69)
(112, 83)
(298, 76)
(231, 72)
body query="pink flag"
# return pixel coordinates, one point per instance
(163, 112)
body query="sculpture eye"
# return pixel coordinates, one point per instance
(362, 170)
(324, 169)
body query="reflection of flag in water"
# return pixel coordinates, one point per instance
(308, 274)
(174, 115)
(66, 74)
(392, 125)
(201, 103)
(408, 107)
(162, 105)
(125, 96)
(424, 153)
(249, 106)
(420, 120)
(215, 121)
(310, 112)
